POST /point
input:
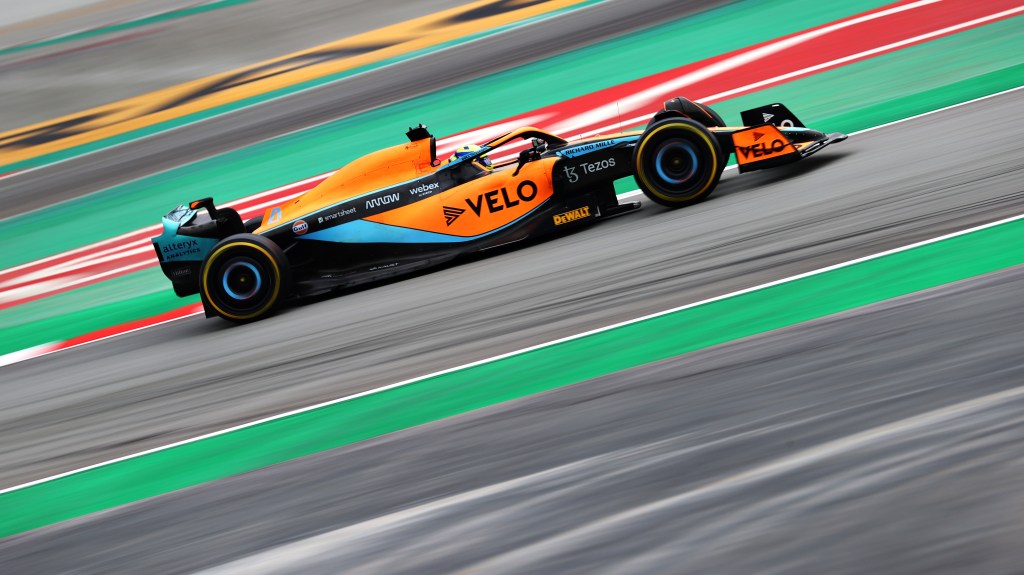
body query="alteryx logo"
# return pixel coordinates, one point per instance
(177, 246)
(186, 249)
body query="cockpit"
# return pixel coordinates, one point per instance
(479, 162)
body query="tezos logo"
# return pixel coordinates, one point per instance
(299, 227)
(592, 167)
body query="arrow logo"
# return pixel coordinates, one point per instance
(767, 116)
(758, 136)
(451, 214)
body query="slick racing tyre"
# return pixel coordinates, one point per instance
(700, 113)
(714, 121)
(244, 278)
(677, 162)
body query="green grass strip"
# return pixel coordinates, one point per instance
(592, 68)
(539, 370)
(88, 309)
(923, 78)
(920, 79)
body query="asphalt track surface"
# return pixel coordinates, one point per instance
(882, 189)
(75, 177)
(888, 439)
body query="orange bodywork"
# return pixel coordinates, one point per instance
(479, 206)
(761, 143)
(476, 207)
(381, 169)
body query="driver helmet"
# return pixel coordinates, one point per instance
(469, 149)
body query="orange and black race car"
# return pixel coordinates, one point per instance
(401, 209)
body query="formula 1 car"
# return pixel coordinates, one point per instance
(402, 209)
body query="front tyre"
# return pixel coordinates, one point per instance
(677, 162)
(244, 278)
(715, 119)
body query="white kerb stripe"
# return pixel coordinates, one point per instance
(549, 343)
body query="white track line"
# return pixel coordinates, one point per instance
(867, 53)
(572, 124)
(522, 351)
(830, 64)
(27, 353)
(18, 356)
(404, 383)
(749, 56)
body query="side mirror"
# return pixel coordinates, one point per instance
(524, 157)
(420, 132)
(205, 203)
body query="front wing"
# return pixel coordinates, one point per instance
(768, 146)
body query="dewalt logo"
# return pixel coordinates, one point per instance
(572, 216)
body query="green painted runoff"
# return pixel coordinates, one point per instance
(539, 370)
(925, 82)
(921, 71)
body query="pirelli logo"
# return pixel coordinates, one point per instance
(575, 215)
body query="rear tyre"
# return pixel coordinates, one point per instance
(677, 162)
(244, 278)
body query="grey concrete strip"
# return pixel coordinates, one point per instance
(52, 81)
(888, 439)
(24, 21)
(79, 176)
(871, 193)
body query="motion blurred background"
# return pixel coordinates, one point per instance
(863, 419)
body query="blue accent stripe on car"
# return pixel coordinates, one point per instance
(345, 201)
(588, 147)
(364, 232)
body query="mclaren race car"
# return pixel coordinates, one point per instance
(402, 209)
